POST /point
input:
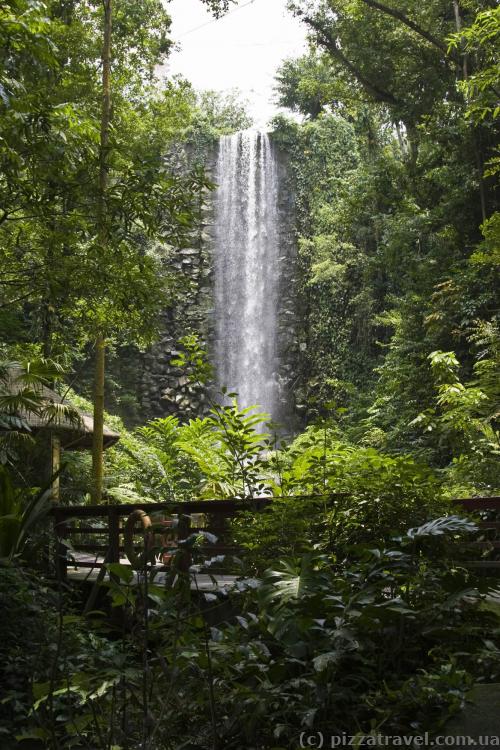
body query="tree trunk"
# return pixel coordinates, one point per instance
(458, 25)
(55, 451)
(475, 141)
(102, 232)
(97, 441)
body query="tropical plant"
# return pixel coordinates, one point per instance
(24, 391)
(22, 512)
(330, 494)
(378, 641)
(479, 40)
(466, 414)
(218, 456)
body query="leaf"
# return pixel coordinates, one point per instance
(38, 733)
(40, 689)
(309, 716)
(441, 526)
(103, 688)
(323, 661)
(124, 572)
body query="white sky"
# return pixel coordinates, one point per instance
(241, 50)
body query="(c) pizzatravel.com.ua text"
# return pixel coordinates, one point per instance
(320, 740)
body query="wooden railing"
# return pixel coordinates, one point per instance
(488, 509)
(101, 526)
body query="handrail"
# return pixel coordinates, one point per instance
(191, 506)
(113, 513)
(218, 509)
(479, 503)
(124, 509)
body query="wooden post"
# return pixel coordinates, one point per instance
(61, 562)
(55, 450)
(98, 421)
(113, 556)
(184, 529)
(114, 533)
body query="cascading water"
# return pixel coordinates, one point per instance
(247, 270)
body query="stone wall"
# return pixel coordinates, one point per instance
(164, 388)
(289, 345)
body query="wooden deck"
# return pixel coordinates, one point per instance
(93, 535)
(89, 537)
(202, 582)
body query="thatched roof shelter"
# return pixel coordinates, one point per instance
(73, 426)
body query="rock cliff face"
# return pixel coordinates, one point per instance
(164, 387)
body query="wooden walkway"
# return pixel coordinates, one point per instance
(97, 531)
(78, 570)
(89, 537)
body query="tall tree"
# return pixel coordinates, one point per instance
(102, 231)
(386, 252)
(87, 203)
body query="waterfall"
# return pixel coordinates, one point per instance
(246, 268)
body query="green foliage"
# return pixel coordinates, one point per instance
(218, 7)
(192, 359)
(53, 271)
(387, 640)
(27, 607)
(241, 444)
(481, 40)
(22, 513)
(392, 637)
(218, 456)
(467, 414)
(60, 684)
(380, 56)
(488, 252)
(23, 392)
(397, 226)
(215, 457)
(215, 114)
(222, 114)
(364, 622)
(331, 495)
(307, 85)
(318, 461)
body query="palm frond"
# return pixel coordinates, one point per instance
(56, 413)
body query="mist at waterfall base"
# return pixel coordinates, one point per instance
(247, 274)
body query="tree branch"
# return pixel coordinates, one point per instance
(399, 16)
(18, 299)
(331, 44)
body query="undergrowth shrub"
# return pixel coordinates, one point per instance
(27, 630)
(331, 494)
(389, 642)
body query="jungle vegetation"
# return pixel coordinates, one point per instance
(358, 615)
